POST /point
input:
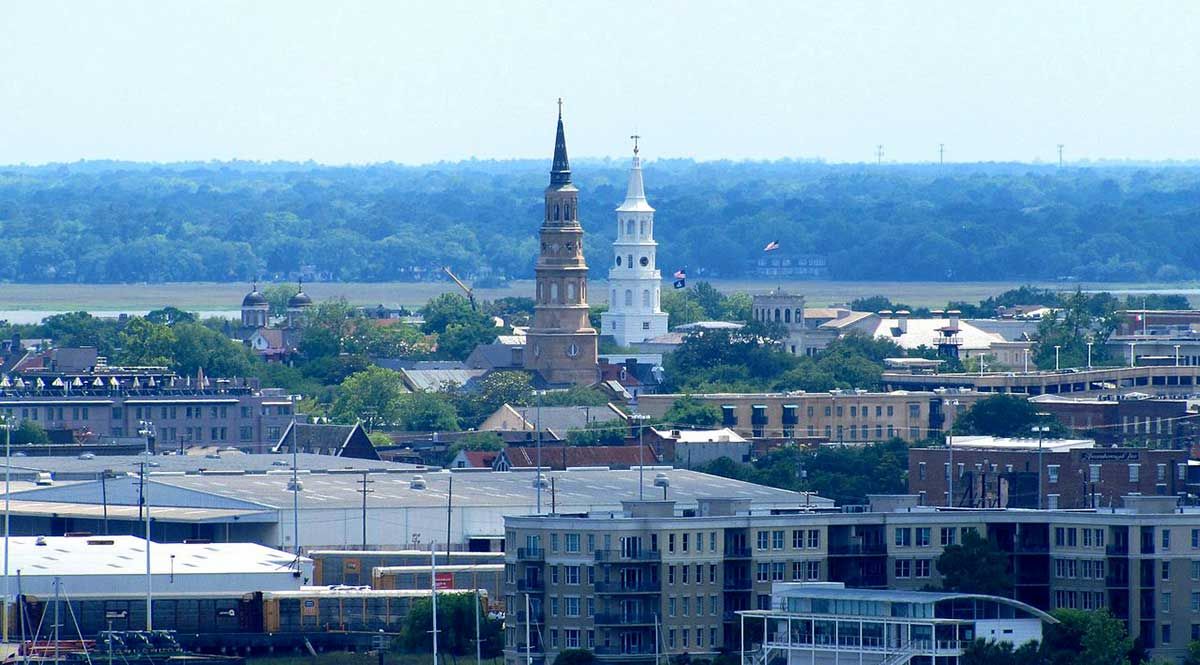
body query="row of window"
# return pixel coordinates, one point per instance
(1088, 569)
(1069, 536)
(801, 539)
(802, 571)
(573, 543)
(1079, 600)
(906, 568)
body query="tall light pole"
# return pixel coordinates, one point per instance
(149, 577)
(1177, 355)
(1041, 432)
(641, 424)
(537, 476)
(1132, 360)
(950, 447)
(1056, 349)
(1026, 360)
(4, 422)
(1089, 346)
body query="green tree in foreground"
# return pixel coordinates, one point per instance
(689, 411)
(991, 652)
(372, 396)
(456, 626)
(975, 566)
(29, 432)
(428, 412)
(1006, 415)
(575, 657)
(1086, 638)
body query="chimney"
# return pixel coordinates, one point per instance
(954, 314)
(902, 320)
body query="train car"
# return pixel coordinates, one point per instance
(487, 577)
(321, 617)
(355, 567)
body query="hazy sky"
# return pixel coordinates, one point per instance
(342, 81)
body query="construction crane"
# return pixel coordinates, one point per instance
(466, 289)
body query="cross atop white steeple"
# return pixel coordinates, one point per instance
(635, 195)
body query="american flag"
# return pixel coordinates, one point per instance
(680, 274)
(771, 246)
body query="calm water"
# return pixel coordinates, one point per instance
(27, 316)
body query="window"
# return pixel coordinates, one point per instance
(1052, 473)
(1166, 571)
(921, 470)
(572, 540)
(554, 542)
(572, 574)
(814, 538)
(554, 574)
(763, 572)
(777, 540)
(670, 542)
(670, 574)
(903, 537)
(947, 534)
(1166, 602)
(553, 606)
(687, 607)
(1166, 634)
(1195, 539)
(797, 539)
(1060, 536)
(923, 536)
(572, 637)
(1093, 473)
(777, 570)
(1166, 539)
(922, 568)
(903, 568)
(1072, 537)
(1195, 601)
(1160, 472)
(672, 605)
(797, 571)
(684, 569)
(814, 570)
(1134, 472)
(571, 604)
(763, 537)
(1195, 570)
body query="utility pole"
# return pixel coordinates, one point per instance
(1060, 153)
(879, 154)
(364, 490)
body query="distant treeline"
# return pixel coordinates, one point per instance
(119, 222)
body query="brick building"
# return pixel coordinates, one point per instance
(1072, 477)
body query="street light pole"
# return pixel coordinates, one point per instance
(1177, 355)
(950, 446)
(1056, 348)
(1089, 346)
(1041, 432)
(1131, 357)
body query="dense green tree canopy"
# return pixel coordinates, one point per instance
(120, 222)
(975, 565)
(1008, 416)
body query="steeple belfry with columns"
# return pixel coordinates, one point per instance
(561, 343)
(634, 310)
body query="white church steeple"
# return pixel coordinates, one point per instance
(635, 283)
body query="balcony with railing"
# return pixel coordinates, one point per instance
(931, 648)
(531, 586)
(624, 652)
(530, 554)
(857, 549)
(618, 587)
(625, 619)
(738, 552)
(737, 584)
(621, 556)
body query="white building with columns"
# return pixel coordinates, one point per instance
(634, 281)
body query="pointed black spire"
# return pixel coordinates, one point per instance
(560, 172)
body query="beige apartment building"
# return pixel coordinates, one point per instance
(652, 577)
(844, 416)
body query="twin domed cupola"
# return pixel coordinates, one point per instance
(256, 309)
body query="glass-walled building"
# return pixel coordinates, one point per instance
(828, 624)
